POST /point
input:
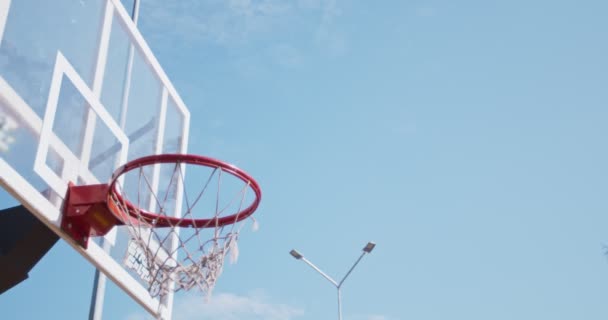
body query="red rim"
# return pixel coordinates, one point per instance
(164, 221)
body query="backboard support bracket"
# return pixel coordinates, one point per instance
(24, 240)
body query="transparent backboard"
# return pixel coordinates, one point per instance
(80, 94)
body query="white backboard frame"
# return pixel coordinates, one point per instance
(76, 166)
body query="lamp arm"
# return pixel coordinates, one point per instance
(320, 272)
(351, 269)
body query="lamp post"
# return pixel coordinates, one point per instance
(367, 249)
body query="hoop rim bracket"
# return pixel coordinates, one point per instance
(86, 214)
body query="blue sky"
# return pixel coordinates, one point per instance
(466, 139)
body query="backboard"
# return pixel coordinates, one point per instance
(80, 94)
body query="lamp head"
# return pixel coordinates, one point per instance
(369, 247)
(295, 254)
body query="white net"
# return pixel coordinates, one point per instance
(194, 227)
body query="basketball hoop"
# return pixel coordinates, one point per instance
(179, 237)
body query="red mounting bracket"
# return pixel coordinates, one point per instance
(86, 214)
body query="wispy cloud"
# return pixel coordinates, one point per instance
(238, 22)
(426, 12)
(227, 306)
(372, 317)
(286, 55)
(328, 36)
(220, 22)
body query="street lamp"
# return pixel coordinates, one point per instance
(367, 249)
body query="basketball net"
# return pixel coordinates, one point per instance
(169, 257)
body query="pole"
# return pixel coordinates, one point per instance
(99, 282)
(99, 289)
(135, 12)
(339, 305)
